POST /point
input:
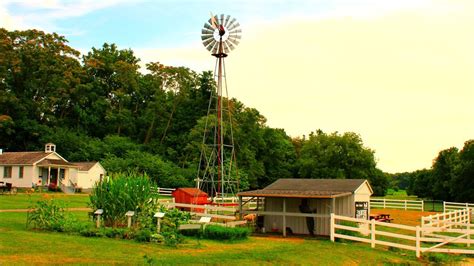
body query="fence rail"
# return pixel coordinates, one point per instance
(415, 238)
(397, 204)
(452, 206)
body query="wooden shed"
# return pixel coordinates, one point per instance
(190, 196)
(283, 200)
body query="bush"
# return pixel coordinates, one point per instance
(49, 215)
(91, 232)
(225, 233)
(122, 193)
(170, 225)
(143, 235)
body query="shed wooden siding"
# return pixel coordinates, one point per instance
(343, 206)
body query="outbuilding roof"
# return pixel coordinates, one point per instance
(308, 188)
(84, 166)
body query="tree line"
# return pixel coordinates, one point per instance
(451, 177)
(99, 106)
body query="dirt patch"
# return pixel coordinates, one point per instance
(412, 218)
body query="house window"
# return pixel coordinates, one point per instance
(7, 172)
(20, 171)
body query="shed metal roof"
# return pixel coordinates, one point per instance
(307, 188)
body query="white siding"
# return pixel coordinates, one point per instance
(15, 179)
(87, 179)
(297, 224)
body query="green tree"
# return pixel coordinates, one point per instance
(339, 156)
(444, 173)
(462, 188)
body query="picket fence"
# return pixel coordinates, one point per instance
(397, 204)
(415, 238)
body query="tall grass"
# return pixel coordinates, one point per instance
(123, 192)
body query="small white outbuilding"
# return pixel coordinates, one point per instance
(282, 211)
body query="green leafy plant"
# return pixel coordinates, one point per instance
(121, 193)
(49, 215)
(170, 226)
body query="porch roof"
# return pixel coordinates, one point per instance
(56, 162)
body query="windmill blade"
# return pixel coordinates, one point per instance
(211, 45)
(208, 26)
(207, 31)
(234, 41)
(207, 41)
(227, 19)
(226, 47)
(234, 26)
(235, 31)
(222, 20)
(230, 45)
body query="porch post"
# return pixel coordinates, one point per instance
(284, 217)
(59, 176)
(49, 175)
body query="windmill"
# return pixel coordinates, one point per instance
(217, 171)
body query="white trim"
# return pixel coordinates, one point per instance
(368, 185)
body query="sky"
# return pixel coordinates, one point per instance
(399, 73)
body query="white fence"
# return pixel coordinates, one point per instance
(162, 191)
(452, 206)
(396, 204)
(415, 238)
(447, 219)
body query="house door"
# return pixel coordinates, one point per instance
(54, 177)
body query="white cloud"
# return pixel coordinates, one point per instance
(44, 15)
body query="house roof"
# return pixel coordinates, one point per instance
(191, 191)
(29, 157)
(84, 166)
(307, 188)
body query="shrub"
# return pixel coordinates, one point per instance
(225, 233)
(143, 235)
(122, 193)
(48, 215)
(91, 232)
(170, 225)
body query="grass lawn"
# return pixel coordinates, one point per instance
(20, 246)
(23, 200)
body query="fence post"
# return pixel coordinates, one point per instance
(384, 203)
(405, 205)
(205, 208)
(372, 233)
(332, 227)
(418, 251)
(444, 206)
(468, 225)
(423, 206)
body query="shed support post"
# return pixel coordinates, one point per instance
(333, 205)
(284, 217)
(240, 208)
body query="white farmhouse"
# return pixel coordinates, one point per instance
(47, 168)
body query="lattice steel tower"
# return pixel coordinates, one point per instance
(217, 172)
